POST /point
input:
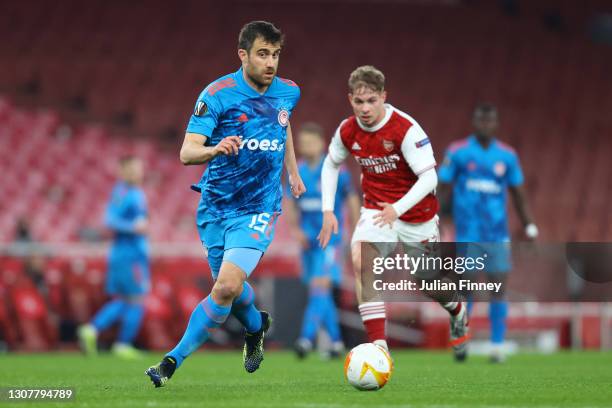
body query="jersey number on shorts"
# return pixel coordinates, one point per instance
(259, 222)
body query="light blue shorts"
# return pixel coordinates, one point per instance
(128, 276)
(254, 231)
(318, 262)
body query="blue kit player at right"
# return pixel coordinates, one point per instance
(481, 169)
(321, 268)
(240, 128)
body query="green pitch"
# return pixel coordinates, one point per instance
(421, 379)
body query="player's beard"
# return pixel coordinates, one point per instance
(259, 80)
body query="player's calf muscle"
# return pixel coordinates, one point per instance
(356, 258)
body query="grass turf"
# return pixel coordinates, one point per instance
(421, 379)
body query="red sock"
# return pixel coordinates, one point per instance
(374, 319)
(375, 329)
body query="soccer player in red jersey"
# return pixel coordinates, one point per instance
(398, 181)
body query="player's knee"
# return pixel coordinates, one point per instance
(227, 289)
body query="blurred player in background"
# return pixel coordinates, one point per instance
(481, 169)
(128, 279)
(240, 127)
(321, 268)
(398, 182)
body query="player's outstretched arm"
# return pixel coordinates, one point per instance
(295, 181)
(292, 215)
(329, 185)
(518, 197)
(193, 150)
(330, 226)
(354, 208)
(444, 192)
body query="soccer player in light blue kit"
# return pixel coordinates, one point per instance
(127, 278)
(240, 127)
(481, 169)
(321, 268)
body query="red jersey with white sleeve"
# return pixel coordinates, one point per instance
(391, 154)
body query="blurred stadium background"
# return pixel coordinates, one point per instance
(82, 83)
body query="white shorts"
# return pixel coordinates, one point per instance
(401, 231)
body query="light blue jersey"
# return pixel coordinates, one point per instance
(241, 194)
(480, 179)
(128, 261)
(249, 183)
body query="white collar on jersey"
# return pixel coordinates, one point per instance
(388, 111)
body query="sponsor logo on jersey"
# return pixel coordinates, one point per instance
(379, 165)
(265, 145)
(283, 117)
(356, 146)
(483, 186)
(201, 109)
(422, 142)
(499, 169)
(388, 145)
(310, 204)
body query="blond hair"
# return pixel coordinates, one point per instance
(366, 76)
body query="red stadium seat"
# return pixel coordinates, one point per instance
(157, 329)
(8, 327)
(36, 331)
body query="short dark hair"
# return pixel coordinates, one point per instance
(485, 107)
(314, 128)
(366, 76)
(255, 29)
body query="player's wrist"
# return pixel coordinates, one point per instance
(214, 152)
(292, 173)
(398, 209)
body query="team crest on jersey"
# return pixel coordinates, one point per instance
(201, 108)
(388, 145)
(356, 146)
(499, 169)
(283, 117)
(471, 166)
